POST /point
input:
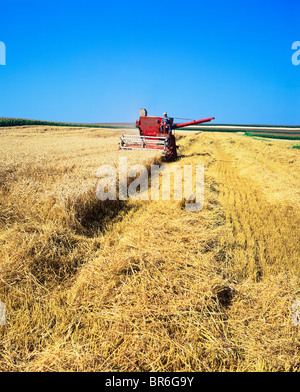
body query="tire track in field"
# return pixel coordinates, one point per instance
(233, 194)
(263, 236)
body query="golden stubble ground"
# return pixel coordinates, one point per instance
(146, 285)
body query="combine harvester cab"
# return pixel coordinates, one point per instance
(153, 135)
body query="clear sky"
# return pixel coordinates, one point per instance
(101, 61)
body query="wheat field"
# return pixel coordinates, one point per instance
(137, 285)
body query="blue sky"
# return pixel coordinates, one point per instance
(95, 61)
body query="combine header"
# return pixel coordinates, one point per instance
(155, 133)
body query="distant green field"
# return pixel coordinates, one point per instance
(13, 122)
(265, 131)
(274, 135)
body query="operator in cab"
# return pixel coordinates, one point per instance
(165, 123)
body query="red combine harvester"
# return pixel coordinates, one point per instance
(156, 135)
